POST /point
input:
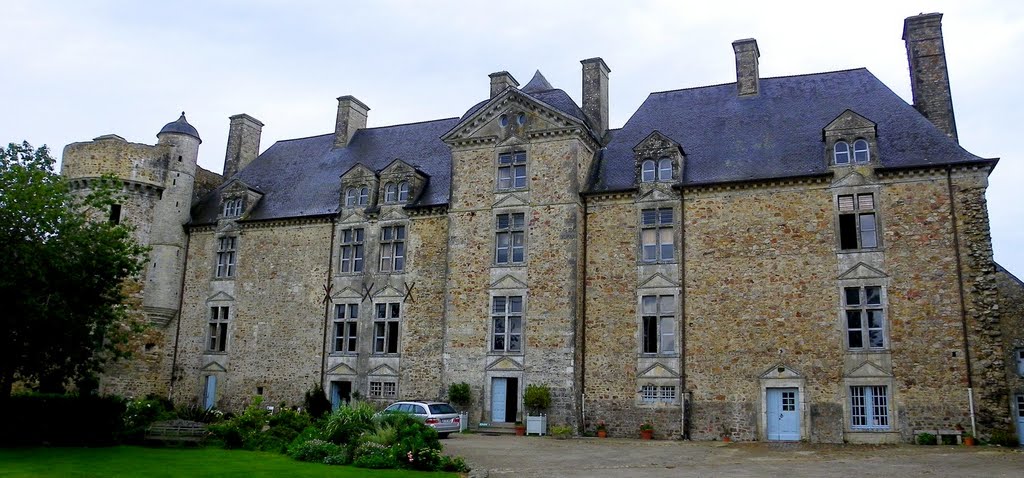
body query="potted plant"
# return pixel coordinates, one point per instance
(537, 399)
(968, 439)
(646, 431)
(458, 394)
(520, 429)
(602, 429)
(726, 434)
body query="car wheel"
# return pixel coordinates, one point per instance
(442, 435)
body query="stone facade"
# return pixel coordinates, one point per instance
(842, 290)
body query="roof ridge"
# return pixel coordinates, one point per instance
(375, 127)
(766, 78)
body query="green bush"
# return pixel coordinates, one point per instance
(458, 393)
(140, 414)
(561, 431)
(374, 455)
(926, 439)
(243, 431)
(453, 464)
(314, 450)
(1003, 438)
(316, 402)
(197, 413)
(537, 397)
(62, 420)
(347, 423)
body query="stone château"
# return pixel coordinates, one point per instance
(795, 258)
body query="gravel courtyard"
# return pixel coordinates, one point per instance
(508, 456)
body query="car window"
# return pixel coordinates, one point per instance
(393, 408)
(419, 410)
(438, 408)
(405, 408)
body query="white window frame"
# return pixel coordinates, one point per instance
(658, 311)
(392, 247)
(665, 170)
(651, 394)
(504, 315)
(383, 389)
(346, 328)
(390, 193)
(841, 149)
(351, 197)
(861, 151)
(387, 328)
(863, 209)
(227, 253)
(233, 207)
(217, 329)
(869, 407)
(648, 171)
(403, 191)
(511, 171)
(352, 249)
(364, 195)
(657, 232)
(514, 236)
(1019, 354)
(857, 317)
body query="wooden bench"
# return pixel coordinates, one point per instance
(940, 432)
(184, 431)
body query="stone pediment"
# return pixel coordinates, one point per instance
(383, 371)
(341, 369)
(512, 141)
(346, 293)
(850, 180)
(862, 271)
(656, 144)
(781, 371)
(510, 200)
(389, 291)
(394, 214)
(484, 122)
(868, 369)
(508, 282)
(504, 363)
(220, 297)
(213, 366)
(657, 281)
(657, 194)
(850, 120)
(357, 172)
(658, 371)
(237, 187)
(399, 168)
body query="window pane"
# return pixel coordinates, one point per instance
(499, 305)
(650, 217)
(664, 169)
(520, 176)
(503, 221)
(518, 220)
(515, 325)
(847, 231)
(395, 310)
(400, 232)
(650, 304)
(514, 344)
(865, 202)
(867, 230)
(499, 342)
(852, 295)
(667, 305)
(842, 153)
(856, 339)
(853, 319)
(668, 339)
(666, 244)
(650, 335)
(504, 177)
(665, 216)
(874, 295)
(875, 319)
(647, 171)
(875, 336)
(515, 305)
(392, 337)
(846, 203)
(505, 158)
(860, 151)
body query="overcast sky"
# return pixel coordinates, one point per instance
(76, 70)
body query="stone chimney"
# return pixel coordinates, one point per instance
(351, 118)
(929, 79)
(747, 77)
(501, 80)
(243, 143)
(595, 94)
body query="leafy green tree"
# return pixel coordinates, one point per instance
(65, 279)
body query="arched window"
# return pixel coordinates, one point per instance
(664, 169)
(350, 197)
(860, 151)
(364, 194)
(390, 192)
(403, 191)
(647, 171)
(841, 152)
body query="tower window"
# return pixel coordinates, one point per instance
(115, 214)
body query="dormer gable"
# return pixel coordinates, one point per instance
(513, 113)
(850, 140)
(401, 183)
(238, 199)
(359, 187)
(658, 159)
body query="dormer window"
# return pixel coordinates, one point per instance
(390, 193)
(661, 170)
(860, 151)
(841, 152)
(403, 191)
(647, 171)
(356, 196)
(664, 169)
(233, 207)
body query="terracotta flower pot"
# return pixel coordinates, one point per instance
(520, 431)
(602, 434)
(727, 439)
(968, 441)
(646, 434)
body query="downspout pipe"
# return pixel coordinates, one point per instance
(963, 303)
(177, 328)
(683, 395)
(327, 303)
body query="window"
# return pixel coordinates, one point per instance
(226, 248)
(507, 320)
(1020, 362)
(392, 248)
(351, 197)
(841, 152)
(385, 328)
(390, 193)
(364, 194)
(664, 169)
(403, 191)
(860, 151)
(865, 321)
(383, 390)
(655, 393)
(869, 407)
(115, 214)
(352, 250)
(217, 339)
(647, 171)
(233, 207)
(346, 317)
(857, 224)
(510, 239)
(656, 236)
(512, 170)
(658, 317)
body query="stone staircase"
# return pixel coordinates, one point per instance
(497, 429)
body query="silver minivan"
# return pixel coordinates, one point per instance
(438, 415)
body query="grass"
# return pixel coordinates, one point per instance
(126, 461)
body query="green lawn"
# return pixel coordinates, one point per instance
(160, 462)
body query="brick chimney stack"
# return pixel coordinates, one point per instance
(595, 94)
(929, 78)
(243, 143)
(501, 80)
(747, 77)
(351, 118)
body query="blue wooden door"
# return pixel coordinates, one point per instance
(210, 395)
(783, 414)
(1020, 419)
(498, 398)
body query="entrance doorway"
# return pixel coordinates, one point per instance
(341, 393)
(504, 399)
(783, 414)
(1020, 419)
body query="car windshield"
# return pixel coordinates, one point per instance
(441, 408)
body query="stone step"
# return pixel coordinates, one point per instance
(497, 429)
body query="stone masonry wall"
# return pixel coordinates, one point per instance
(1011, 313)
(422, 338)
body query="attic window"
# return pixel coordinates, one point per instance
(503, 120)
(647, 171)
(233, 207)
(664, 169)
(390, 192)
(841, 152)
(860, 151)
(521, 119)
(661, 170)
(356, 196)
(403, 191)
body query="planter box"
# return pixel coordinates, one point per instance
(463, 421)
(538, 425)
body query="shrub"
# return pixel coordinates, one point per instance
(62, 420)
(140, 414)
(244, 430)
(453, 463)
(197, 413)
(458, 393)
(345, 424)
(341, 458)
(1003, 438)
(373, 455)
(314, 450)
(537, 397)
(316, 402)
(561, 431)
(926, 439)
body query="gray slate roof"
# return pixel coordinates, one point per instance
(776, 134)
(302, 177)
(180, 126)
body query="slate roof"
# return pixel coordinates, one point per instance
(541, 90)
(180, 126)
(302, 177)
(776, 134)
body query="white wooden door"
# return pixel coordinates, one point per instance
(210, 395)
(498, 398)
(783, 414)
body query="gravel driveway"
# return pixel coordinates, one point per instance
(508, 456)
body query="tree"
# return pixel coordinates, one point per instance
(64, 279)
